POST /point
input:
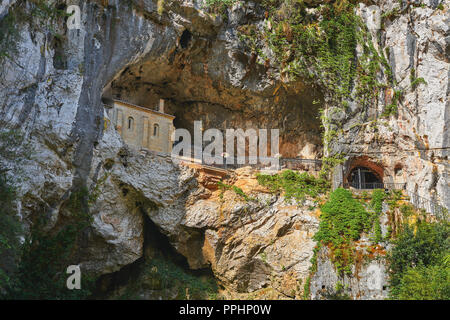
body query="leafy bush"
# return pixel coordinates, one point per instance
(223, 186)
(425, 283)
(46, 255)
(376, 204)
(294, 185)
(324, 50)
(342, 221)
(170, 275)
(10, 230)
(418, 259)
(220, 6)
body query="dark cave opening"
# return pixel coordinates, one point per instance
(186, 37)
(156, 246)
(364, 178)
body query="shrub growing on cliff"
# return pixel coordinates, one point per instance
(376, 204)
(342, 221)
(419, 261)
(189, 287)
(319, 44)
(10, 229)
(46, 255)
(425, 283)
(296, 186)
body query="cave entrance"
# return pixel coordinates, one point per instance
(195, 87)
(364, 178)
(362, 173)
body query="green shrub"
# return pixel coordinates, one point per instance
(45, 256)
(296, 186)
(421, 250)
(342, 221)
(376, 204)
(425, 283)
(223, 186)
(10, 230)
(169, 275)
(323, 50)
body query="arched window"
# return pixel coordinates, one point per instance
(155, 130)
(130, 123)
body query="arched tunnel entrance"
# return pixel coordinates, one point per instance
(362, 173)
(364, 178)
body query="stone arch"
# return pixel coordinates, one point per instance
(373, 173)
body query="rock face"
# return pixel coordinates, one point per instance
(51, 92)
(256, 243)
(368, 283)
(412, 147)
(368, 278)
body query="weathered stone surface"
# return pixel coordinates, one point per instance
(53, 94)
(369, 283)
(414, 42)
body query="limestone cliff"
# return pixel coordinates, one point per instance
(52, 81)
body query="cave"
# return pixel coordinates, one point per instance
(364, 178)
(185, 39)
(157, 247)
(195, 88)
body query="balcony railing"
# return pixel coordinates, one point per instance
(429, 205)
(375, 185)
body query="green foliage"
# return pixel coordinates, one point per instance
(9, 35)
(46, 255)
(392, 108)
(342, 221)
(10, 230)
(220, 6)
(328, 163)
(425, 283)
(307, 288)
(419, 267)
(376, 204)
(40, 14)
(324, 50)
(237, 190)
(168, 275)
(338, 293)
(226, 3)
(253, 40)
(415, 81)
(45, 9)
(296, 186)
(160, 7)
(391, 14)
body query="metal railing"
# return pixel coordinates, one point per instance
(376, 185)
(301, 164)
(233, 163)
(429, 205)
